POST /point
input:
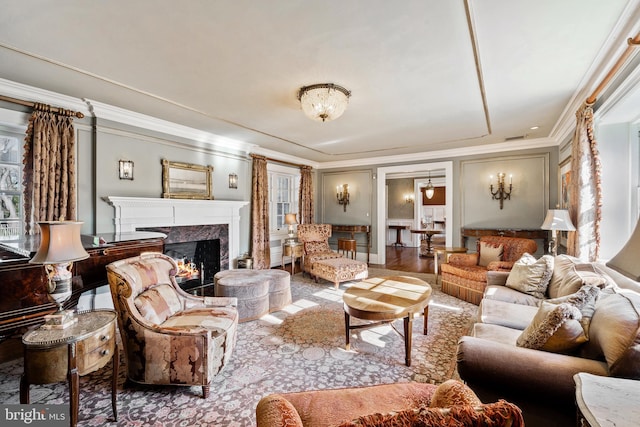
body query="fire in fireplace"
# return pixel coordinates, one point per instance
(197, 261)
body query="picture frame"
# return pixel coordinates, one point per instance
(186, 181)
(564, 179)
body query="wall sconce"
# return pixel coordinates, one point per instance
(126, 169)
(343, 195)
(409, 198)
(233, 180)
(501, 192)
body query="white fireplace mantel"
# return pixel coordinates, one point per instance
(132, 213)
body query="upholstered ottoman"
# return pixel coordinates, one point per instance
(259, 292)
(338, 270)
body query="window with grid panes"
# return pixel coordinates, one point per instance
(283, 191)
(10, 185)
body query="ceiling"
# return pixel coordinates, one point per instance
(425, 75)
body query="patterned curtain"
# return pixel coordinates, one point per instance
(305, 202)
(260, 251)
(49, 178)
(585, 192)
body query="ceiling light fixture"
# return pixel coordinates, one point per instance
(429, 190)
(324, 101)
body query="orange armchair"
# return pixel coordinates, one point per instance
(465, 275)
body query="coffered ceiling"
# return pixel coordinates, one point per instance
(425, 75)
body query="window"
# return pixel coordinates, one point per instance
(284, 183)
(10, 186)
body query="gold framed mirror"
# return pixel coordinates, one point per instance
(186, 181)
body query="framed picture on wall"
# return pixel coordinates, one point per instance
(186, 181)
(564, 179)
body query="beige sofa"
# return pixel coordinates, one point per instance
(540, 381)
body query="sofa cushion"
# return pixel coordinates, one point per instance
(453, 392)
(615, 330)
(530, 275)
(158, 303)
(503, 313)
(496, 333)
(569, 274)
(499, 414)
(555, 328)
(489, 253)
(584, 300)
(502, 293)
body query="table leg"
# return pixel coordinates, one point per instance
(429, 236)
(293, 263)
(408, 326)
(426, 319)
(74, 383)
(346, 327)
(24, 389)
(115, 359)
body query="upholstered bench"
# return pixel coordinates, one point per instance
(338, 270)
(259, 292)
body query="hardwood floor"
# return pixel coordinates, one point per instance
(407, 259)
(397, 258)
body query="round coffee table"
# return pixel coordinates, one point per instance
(382, 300)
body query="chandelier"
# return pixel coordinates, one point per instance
(323, 101)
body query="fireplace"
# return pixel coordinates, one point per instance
(184, 221)
(200, 252)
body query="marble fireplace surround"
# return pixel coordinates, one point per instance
(137, 213)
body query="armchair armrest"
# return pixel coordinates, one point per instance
(463, 259)
(500, 265)
(194, 301)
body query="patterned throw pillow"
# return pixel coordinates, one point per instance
(452, 392)
(555, 328)
(489, 253)
(498, 414)
(316, 246)
(584, 300)
(157, 304)
(530, 275)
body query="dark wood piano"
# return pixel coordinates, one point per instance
(23, 290)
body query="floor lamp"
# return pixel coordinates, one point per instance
(557, 220)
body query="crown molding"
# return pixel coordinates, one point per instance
(120, 115)
(523, 144)
(43, 96)
(276, 155)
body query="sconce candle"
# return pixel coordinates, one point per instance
(501, 192)
(343, 195)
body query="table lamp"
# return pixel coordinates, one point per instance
(556, 219)
(290, 220)
(60, 246)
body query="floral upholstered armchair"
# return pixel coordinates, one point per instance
(169, 336)
(315, 241)
(465, 275)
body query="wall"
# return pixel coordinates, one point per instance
(618, 146)
(398, 208)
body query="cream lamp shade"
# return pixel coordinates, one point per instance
(59, 243)
(627, 261)
(557, 219)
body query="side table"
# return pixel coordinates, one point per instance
(446, 251)
(293, 250)
(606, 401)
(348, 247)
(55, 355)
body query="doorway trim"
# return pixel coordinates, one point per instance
(418, 169)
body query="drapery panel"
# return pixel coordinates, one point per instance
(49, 176)
(585, 192)
(305, 203)
(260, 251)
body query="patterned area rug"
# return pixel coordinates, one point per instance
(299, 348)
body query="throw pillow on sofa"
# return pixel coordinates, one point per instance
(452, 392)
(584, 300)
(530, 275)
(489, 253)
(555, 328)
(615, 332)
(569, 274)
